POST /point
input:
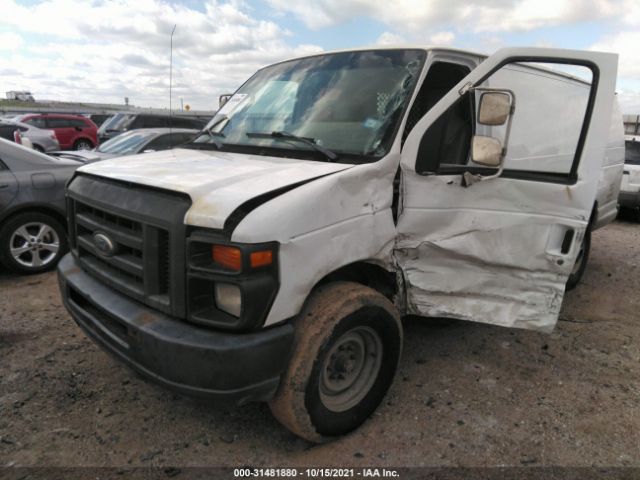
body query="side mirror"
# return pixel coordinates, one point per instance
(495, 108)
(224, 98)
(486, 151)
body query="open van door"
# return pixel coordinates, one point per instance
(493, 215)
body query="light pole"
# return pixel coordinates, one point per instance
(171, 77)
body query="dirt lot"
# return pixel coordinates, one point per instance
(465, 394)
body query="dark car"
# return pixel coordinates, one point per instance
(74, 132)
(33, 235)
(98, 118)
(122, 122)
(134, 142)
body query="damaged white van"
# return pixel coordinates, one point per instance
(273, 257)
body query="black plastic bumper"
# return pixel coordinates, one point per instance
(196, 361)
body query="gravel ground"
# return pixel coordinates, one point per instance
(465, 395)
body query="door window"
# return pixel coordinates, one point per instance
(58, 123)
(155, 122)
(38, 122)
(76, 122)
(163, 142)
(6, 132)
(180, 138)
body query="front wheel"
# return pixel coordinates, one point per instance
(347, 345)
(83, 144)
(581, 262)
(32, 243)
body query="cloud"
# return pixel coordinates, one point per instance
(442, 38)
(10, 41)
(626, 44)
(416, 16)
(121, 48)
(388, 38)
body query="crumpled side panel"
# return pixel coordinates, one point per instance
(502, 273)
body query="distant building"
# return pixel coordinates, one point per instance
(23, 96)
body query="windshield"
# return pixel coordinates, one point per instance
(349, 103)
(632, 152)
(128, 142)
(117, 122)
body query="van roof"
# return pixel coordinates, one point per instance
(482, 56)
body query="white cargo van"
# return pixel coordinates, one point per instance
(273, 258)
(630, 187)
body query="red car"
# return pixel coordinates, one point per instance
(74, 132)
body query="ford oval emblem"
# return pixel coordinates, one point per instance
(104, 244)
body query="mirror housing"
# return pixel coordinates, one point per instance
(224, 98)
(494, 109)
(486, 151)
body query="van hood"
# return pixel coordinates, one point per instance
(217, 182)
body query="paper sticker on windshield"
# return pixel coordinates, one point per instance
(232, 103)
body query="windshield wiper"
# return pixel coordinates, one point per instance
(286, 136)
(214, 136)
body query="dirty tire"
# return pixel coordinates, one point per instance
(8, 233)
(581, 262)
(338, 315)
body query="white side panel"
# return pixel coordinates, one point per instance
(328, 223)
(631, 181)
(613, 165)
(487, 258)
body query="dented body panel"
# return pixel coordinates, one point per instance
(496, 252)
(493, 252)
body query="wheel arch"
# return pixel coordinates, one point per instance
(36, 208)
(366, 273)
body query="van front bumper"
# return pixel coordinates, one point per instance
(196, 361)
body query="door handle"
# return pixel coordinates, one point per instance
(567, 241)
(4, 185)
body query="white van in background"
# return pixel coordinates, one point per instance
(630, 188)
(273, 257)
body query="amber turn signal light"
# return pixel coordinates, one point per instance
(227, 257)
(261, 259)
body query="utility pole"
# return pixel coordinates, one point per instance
(171, 78)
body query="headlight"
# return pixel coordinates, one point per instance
(228, 298)
(230, 285)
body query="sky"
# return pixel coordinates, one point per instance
(103, 51)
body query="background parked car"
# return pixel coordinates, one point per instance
(33, 233)
(98, 118)
(42, 140)
(135, 141)
(74, 132)
(122, 122)
(630, 188)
